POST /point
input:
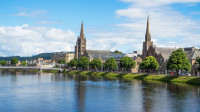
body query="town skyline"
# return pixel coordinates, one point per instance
(34, 28)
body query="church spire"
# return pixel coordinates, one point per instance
(82, 30)
(148, 34)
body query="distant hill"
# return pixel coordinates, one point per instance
(45, 56)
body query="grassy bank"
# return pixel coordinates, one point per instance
(164, 78)
(45, 71)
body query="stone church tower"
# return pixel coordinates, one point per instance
(147, 43)
(80, 47)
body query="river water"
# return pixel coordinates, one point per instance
(47, 92)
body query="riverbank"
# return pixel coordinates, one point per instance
(164, 78)
(45, 71)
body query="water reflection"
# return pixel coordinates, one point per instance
(76, 93)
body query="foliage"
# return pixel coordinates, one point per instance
(14, 61)
(117, 52)
(83, 62)
(198, 62)
(62, 61)
(110, 64)
(127, 63)
(178, 61)
(73, 62)
(95, 64)
(149, 63)
(3, 62)
(24, 63)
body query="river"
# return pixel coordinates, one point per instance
(48, 92)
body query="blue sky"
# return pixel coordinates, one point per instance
(29, 27)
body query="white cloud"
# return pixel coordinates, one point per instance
(166, 24)
(26, 40)
(156, 3)
(31, 14)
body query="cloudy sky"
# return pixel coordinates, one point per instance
(30, 27)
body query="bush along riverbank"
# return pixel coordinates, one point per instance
(164, 78)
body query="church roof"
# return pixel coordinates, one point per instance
(94, 54)
(98, 51)
(165, 51)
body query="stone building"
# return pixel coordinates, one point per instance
(67, 56)
(80, 49)
(147, 43)
(192, 53)
(162, 53)
(135, 58)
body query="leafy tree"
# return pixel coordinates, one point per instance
(149, 63)
(62, 61)
(95, 64)
(110, 64)
(83, 62)
(178, 61)
(14, 61)
(117, 52)
(127, 63)
(198, 62)
(73, 62)
(24, 63)
(3, 62)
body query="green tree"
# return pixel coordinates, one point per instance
(73, 62)
(178, 61)
(14, 61)
(127, 63)
(95, 64)
(149, 63)
(3, 62)
(117, 52)
(198, 62)
(62, 61)
(83, 62)
(110, 64)
(24, 63)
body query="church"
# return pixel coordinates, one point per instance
(162, 53)
(80, 49)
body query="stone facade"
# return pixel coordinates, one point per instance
(147, 43)
(162, 53)
(192, 53)
(137, 60)
(67, 56)
(80, 47)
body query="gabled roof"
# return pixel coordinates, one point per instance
(193, 54)
(165, 51)
(103, 54)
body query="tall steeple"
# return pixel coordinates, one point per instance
(148, 33)
(80, 47)
(82, 31)
(147, 43)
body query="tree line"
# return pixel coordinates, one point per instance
(177, 61)
(126, 63)
(13, 62)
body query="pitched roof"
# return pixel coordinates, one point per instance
(165, 51)
(192, 54)
(103, 54)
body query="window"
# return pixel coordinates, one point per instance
(160, 62)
